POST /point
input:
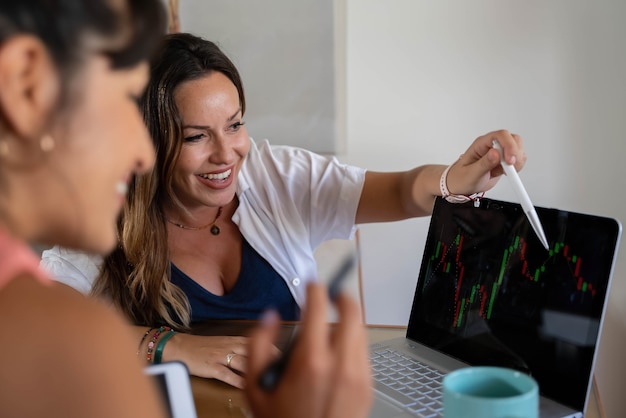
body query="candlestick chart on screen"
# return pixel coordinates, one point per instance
(475, 266)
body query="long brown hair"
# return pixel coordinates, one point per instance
(136, 276)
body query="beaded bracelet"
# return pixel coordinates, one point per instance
(158, 351)
(153, 341)
(455, 198)
(143, 339)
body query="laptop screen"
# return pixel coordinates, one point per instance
(489, 293)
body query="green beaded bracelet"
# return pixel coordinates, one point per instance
(158, 351)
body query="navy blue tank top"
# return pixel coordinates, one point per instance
(258, 288)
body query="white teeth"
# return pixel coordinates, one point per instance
(218, 176)
(121, 188)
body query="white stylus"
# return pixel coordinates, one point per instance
(527, 205)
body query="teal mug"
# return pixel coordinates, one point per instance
(489, 392)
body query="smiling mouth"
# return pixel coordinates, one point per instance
(218, 176)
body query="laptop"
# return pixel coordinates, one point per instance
(488, 293)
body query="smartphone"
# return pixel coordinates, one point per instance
(172, 379)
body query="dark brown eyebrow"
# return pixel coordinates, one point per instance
(201, 127)
(234, 115)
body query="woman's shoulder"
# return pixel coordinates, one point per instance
(283, 159)
(53, 322)
(53, 308)
(264, 148)
(72, 344)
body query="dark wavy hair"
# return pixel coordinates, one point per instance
(66, 28)
(136, 276)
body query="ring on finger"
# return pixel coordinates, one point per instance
(229, 358)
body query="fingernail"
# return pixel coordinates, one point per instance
(269, 318)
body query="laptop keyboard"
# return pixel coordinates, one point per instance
(411, 383)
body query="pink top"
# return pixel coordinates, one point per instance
(16, 259)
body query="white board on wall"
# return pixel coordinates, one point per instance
(285, 52)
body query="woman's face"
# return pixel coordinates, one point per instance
(215, 142)
(104, 143)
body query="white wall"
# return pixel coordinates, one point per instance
(284, 52)
(424, 78)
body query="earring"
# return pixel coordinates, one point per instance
(46, 143)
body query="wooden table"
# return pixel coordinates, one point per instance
(215, 399)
